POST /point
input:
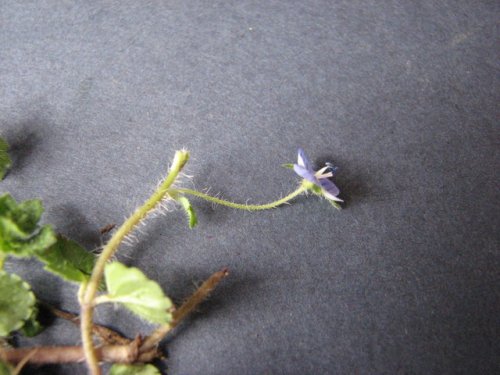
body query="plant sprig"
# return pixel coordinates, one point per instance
(102, 280)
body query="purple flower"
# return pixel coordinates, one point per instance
(319, 178)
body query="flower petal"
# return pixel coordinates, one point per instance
(303, 161)
(305, 173)
(329, 187)
(331, 197)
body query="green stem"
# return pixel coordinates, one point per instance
(88, 296)
(248, 207)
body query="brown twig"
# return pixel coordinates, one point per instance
(107, 228)
(187, 307)
(69, 354)
(200, 295)
(106, 334)
(23, 362)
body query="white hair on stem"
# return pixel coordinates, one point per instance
(131, 239)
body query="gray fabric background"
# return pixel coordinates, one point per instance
(95, 97)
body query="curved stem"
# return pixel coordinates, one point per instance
(248, 207)
(87, 299)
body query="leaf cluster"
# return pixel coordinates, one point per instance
(21, 235)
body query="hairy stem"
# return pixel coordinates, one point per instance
(88, 295)
(187, 307)
(240, 206)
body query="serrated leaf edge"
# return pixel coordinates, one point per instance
(31, 295)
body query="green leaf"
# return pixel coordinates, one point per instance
(5, 161)
(189, 210)
(119, 369)
(67, 259)
(32, 326)
(27, 214)
(17, 302)
(142, 296)
(287, 165)
(20, 234)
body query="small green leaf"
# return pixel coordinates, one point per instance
(5, 161)
(67, 259)
(20, 234)
(287, 165)
(17, 302)
(142, 296)
(32, 326)
(189, 210)
(119, 369)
